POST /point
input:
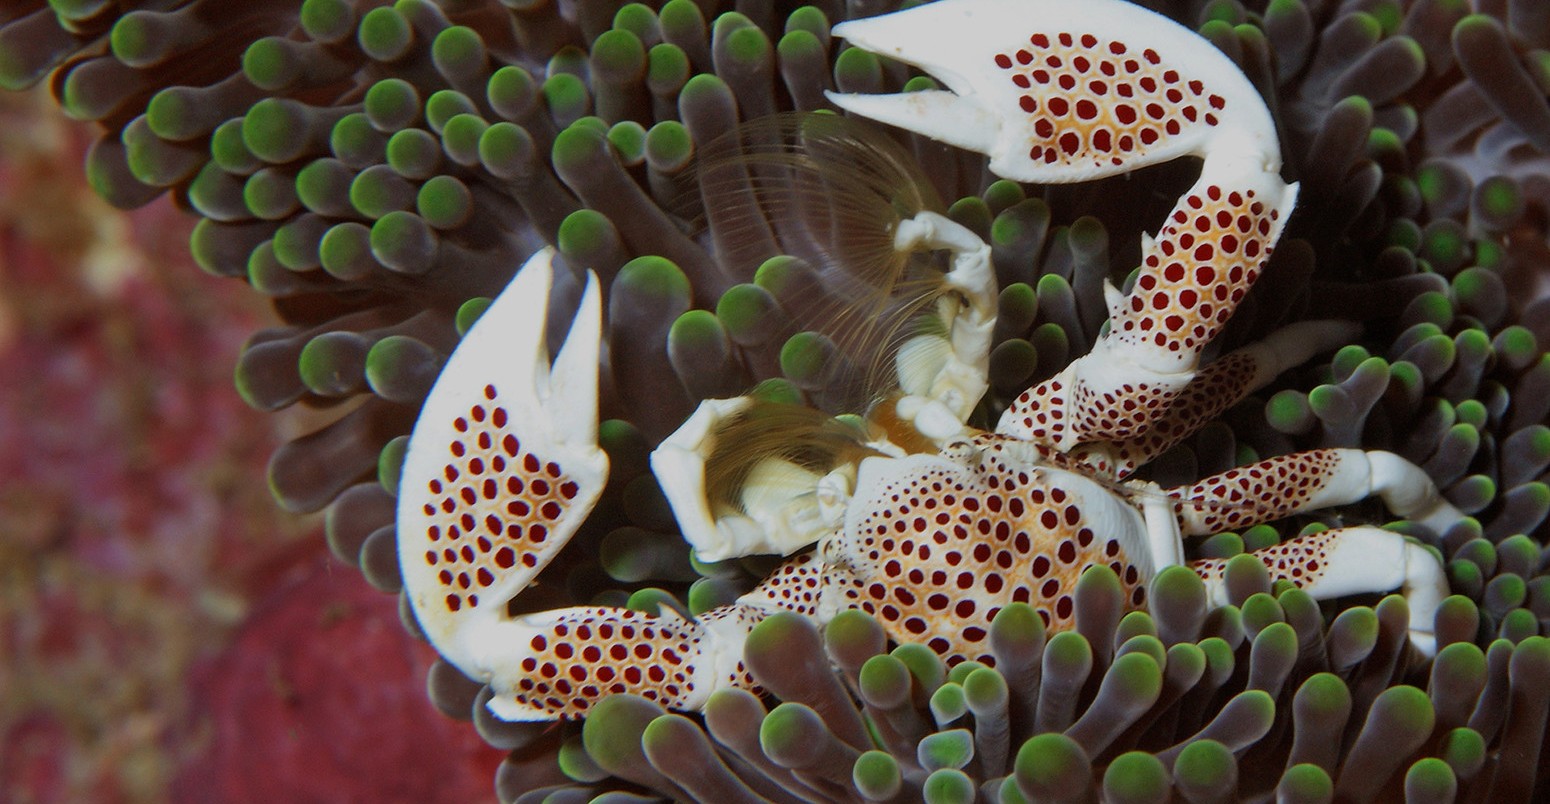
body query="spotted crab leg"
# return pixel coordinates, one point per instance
(558, 664)
(1066, 92)
(1216, 387)
(1351, 561)
(1337, 562)
(502, 467)
(1305, 481)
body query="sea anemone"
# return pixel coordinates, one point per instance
(380, 170)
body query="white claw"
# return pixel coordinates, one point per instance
(572, 384)
(976, 48)
(518, 317)
(942, 116)
(502, 365)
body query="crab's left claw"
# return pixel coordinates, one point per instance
(502, 468)
(1059, 91)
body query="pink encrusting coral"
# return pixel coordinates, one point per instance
(320, 696)
(165, 630)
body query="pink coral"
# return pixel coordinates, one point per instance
(137, 531)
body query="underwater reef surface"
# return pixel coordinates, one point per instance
(378, 170)
(165, 632)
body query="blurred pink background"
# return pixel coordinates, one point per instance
(166, 633)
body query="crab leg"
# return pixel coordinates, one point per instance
(1351, 561)
(1333, 563)
(502, 467)
(1338, 562)
(1064, 92)
(557, 664)
(1305, 481)
(1215, 388)
(1194, 274)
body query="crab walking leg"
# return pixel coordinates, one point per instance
(558, 664)
(503, 464)
(1305, 481)
(1351, 561)
(1215, 388)
(1194, 274)
(1065, 92)
(944, 378)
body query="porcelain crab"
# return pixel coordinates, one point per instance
(919, 519)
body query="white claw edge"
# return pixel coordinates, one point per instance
(555, 413)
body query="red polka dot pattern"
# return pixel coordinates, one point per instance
(794, 586)
(1100, 102)
(939, 555)
(1301, 561)
(493, 507)
(1045, 415)
(1260, 492)
(1041, 412)
(588, 653)
(1198, 269)
(1049, 412)
(1120, 413)
(1214, 389)
(1193, 275)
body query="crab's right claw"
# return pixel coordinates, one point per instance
(502, 467)
(1056, 91)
